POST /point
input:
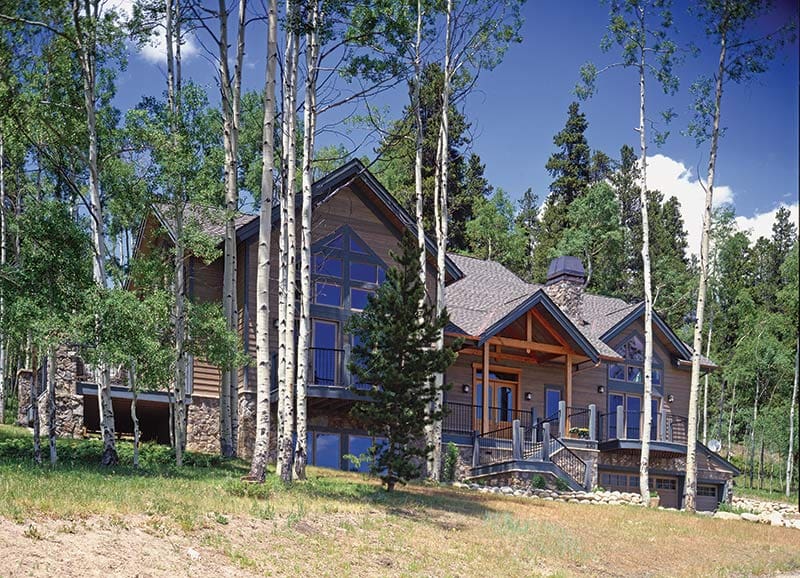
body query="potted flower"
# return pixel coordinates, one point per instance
(654, 499)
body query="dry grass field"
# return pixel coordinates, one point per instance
(80, 520)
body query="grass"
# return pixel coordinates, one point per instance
(776, 495)
(338, 523)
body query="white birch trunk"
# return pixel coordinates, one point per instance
(37, 443)
(644, 464)
(2, 263)
(51, 405)
(435, 465)
(304, 334)
(86, 44)
(705, 386)
(697, 343)
(287, 363)
(418, 145)
(790, 455)
(134, 416)
(230, 91)
(730, 420)
(258, 466)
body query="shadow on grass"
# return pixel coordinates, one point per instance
(404, 501)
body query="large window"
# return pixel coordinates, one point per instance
(345, 271)
(632, 370)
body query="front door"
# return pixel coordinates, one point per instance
(502, 398)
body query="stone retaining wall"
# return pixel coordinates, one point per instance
(609, 498)
(202, 425)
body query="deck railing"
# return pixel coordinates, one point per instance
(578, 420)
(569, 462)
(667, 427)
(495, 446)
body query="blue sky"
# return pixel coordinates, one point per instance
(517, 108)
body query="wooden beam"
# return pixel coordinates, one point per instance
(485, 385)
(568, 369)
(505, 356)
(549, 328)
(534, 345)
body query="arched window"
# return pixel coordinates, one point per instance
(632, 371)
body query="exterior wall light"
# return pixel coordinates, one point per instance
(465, 388)
(601, 389)
(670, 398)
(528, 396)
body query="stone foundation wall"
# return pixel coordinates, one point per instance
(202, 425)
(69, 405)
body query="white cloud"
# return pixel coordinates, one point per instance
(760, 224)
(673, 178)
(154, 51)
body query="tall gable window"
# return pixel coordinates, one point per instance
(345, 271)
(632, 371)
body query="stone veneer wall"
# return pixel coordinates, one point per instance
(69, 405)
(568, 296)
(202, 425)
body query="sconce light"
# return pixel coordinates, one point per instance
(465, 388)
(601, 389)
(670, 398)
(528, 396)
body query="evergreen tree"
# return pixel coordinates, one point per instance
(393, 353)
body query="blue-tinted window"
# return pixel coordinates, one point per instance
(327, 265)
(505, 404)
(479, 399)
(328, 294)
(336, 243)
(363, 272)
(634, 413)
(324, 355)
(381, 275)
(327, 451)
(656, 377)
(359, 298)
(616, 371)
(614, 401)
(359, 446)
(357, 247)
(635, 374)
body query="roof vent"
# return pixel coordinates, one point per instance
(566, 268)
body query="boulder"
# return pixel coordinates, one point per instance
(749, 517)
(726, 516)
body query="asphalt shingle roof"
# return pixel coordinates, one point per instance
(210, 219)
(489, 291)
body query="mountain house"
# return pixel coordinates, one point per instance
(548, 381)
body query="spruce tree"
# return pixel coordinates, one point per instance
(393, 353)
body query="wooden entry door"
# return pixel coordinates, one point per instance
(502, 398)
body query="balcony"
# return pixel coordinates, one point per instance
(328, 376)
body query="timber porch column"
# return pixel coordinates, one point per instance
(568, 388)
(485, 386)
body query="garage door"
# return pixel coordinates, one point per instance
(707, 497)
(667, 489)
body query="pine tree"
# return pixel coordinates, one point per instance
(394, 354)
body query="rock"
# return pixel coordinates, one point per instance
(192, 553)
(704, 513)
(519, 493)
(776, 519)
(726, 516)
(574, 501)
(506, 490)
(749, 517)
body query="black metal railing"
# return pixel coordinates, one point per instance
(674, 428)
(459, 417)
(326, 366)
(578, 420)
(553, 420)
(569, 462)
(495, 446)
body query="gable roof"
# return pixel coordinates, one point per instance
(491, 297)
(352, 171)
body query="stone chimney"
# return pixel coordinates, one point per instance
(565, 282)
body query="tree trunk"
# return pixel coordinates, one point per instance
(134, 416)
(705, 386)
(258, 466)
(51, 405)
(2, 264)
(37, 443)
(644, 464)
(418, 145)
(179, 385)
(697, 343)
(761, 465)
(86, 46)
(790, 455)
(286, 416)
(230, 91)
(753, 433)
(730, 420)
(304, 335)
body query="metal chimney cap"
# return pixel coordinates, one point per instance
(565, 267)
